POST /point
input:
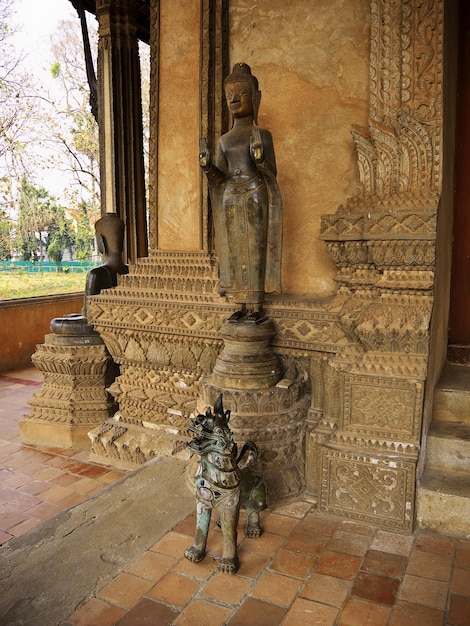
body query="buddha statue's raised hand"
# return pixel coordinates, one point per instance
(256, 146)
(204, 155)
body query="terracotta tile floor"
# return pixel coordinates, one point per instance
(37, 482)
(306, 568)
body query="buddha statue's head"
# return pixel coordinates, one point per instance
(109, 231)
(243, 85)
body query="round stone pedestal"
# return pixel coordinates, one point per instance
(274, 419)
(247, 361)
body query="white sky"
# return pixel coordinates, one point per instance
(34, 22)
(37, 20)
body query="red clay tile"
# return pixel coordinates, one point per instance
(279, 524)
(307, 613)
(173, 544)
(34, 487)
(429, 565)
(267, 544)
(257, 612)
(55, 493)
(174, 589)
(226, 588)
(151, 566)
(65, 480)
(94, 471)
(201, 612)
(201, 571)
(461, 582)
(125, 590)
(252, 564)
(406, 614)
(111, 476)
(11, 519)
(44, 510)
(293, 563)
(326, 589)
(459, 611)
(306, 542)
(375, 588)
(349, 543)
(4, 537)
(339, 565)
(462, 558)
(395, 543)
(318, 524)
(351, 526)
(436, 544)
(359, 612)
(187, 526)
(276, 589)
(24, 527)
(384, 564)
(426, 591)
(95, 611)
(148, 613)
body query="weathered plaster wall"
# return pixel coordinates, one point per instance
(178, 127)
(312, 61)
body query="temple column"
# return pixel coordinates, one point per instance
(120, 122)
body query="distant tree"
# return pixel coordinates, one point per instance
(18, 102)
(84, 236)
(60, 236)
(34, 218)
(6, 227)
(72, 132)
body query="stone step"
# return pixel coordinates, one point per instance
(448, 447)
(443, 502)
(452, 395)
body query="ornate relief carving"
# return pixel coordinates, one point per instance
(73, 398)
(369, 488)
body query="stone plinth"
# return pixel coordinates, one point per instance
(247, 361)
(73, 398)
(274, 419)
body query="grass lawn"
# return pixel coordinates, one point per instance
(29, 284)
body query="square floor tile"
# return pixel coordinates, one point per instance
(358, 612)
(375, 588)
(326, 589)
(277, 589)
(257, 612)
(148, 613)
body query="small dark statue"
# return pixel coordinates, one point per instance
(223, 484)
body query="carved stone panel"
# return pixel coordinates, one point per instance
(368, 487)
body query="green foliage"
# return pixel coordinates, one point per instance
(84, 236)
(5, 236)
(60, 236)
(55, 69)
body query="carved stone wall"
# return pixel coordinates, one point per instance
(363, 352)
(383, 242)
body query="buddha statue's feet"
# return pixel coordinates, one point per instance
(255, 317)
(237, 317)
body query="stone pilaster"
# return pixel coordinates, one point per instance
(120, 122)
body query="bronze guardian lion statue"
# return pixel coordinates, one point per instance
(224, 484)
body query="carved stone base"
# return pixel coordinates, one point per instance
(247, 361)
(130, 445)
(274, 419)
(73, 398)
(374, 488)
